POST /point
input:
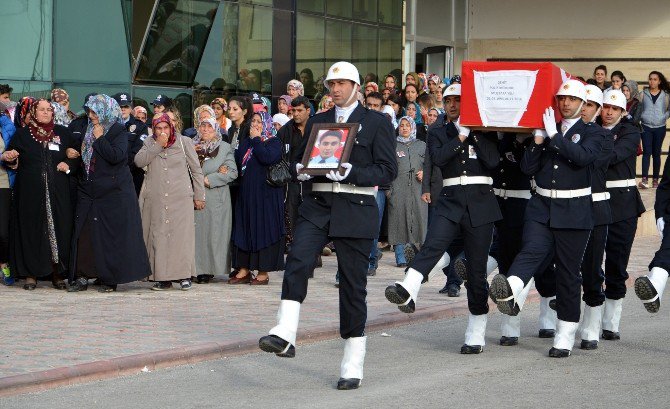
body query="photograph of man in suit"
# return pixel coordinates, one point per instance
(327, 146)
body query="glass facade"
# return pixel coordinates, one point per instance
(194, 50)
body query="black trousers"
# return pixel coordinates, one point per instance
(352, 261)
(620, 236)
(662, 257)
(541, 244)
(509, 241)
(293, 201)
(593, 276)
(477, 241)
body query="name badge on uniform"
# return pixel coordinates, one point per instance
(132, 128)
(576, 138)
(143, 137)
(401, 154)
(54, 147)
(471, 152)
(510, 157)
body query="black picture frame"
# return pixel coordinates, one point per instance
(315, 164)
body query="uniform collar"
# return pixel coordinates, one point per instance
(345, 112)
(568, 123)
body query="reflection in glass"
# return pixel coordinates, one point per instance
(176, 41)
(390, 53)
(315, 6)
(340, 8)
(338, 41)
(254, 59)
(390, 12)
(181, 99)
(310, 50)
(365, 10)
(365, 52)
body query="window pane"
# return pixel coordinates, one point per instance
(81, 55)
(315, 6)
(310, 48)
(390, 53)
(365, 52)
(340, 8)
(365, 10)
(254, 54)
(460, 18)
(338, 42)
(390, 12)
(26, 31)
(176, 41)
(181, 98)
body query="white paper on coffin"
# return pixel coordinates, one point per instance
(502, 96)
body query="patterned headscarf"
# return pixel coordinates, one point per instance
(59, 94)
(205, 148)
(198, 111)
(435, 78)
(268, 131)
(139, 109)
(417, 117)
(322, 103)
(412, 133)
(41, 132)
(60, 114)
(416, 79)
(286, 98)
(22, 110)
(220, 102)
(173, 133)
(297, 85)
(109, 113)
(266, 103)
(423, 83)
(375, 87)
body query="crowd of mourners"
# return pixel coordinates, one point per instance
(116, 193)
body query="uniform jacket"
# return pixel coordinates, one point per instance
(508, 176)
(662, 204)
(625, 202)
(373, 163)
(432, 175)
(476, 156)
(564, 162)
(602, 213)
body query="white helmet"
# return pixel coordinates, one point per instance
(594, 94)
(342, 70)
(572, 88)
(615, 97)
(453, 89)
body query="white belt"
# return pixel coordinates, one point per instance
(468, 180)
(336, 187)
(563, 194)
(599, 197)
(517, 194)
(610, 184)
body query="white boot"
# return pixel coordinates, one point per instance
(511, 326)
(612, 315)
(565, 334)
(650, 288)
(520, 298)
(547, 319)
(658, 278)
(411, 283)
(441, 263)
(491, 265)
(287, 322)
(590, 330)
(351, 368)
(476, 330)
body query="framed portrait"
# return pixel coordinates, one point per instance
(328, 146)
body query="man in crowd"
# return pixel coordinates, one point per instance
(137, 132)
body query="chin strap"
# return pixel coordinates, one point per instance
(596, 114)
(577, 113)
(353, 97)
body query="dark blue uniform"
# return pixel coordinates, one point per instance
(350, 220)
(137, 132)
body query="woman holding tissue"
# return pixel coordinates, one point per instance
(41, 223)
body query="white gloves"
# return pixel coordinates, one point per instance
(549, 120)
(462, 130)
(335, 175)
(660, 225)
(303, 177)
(540, 132)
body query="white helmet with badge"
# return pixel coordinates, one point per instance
(615, 98)
(342, 70)
(572, 88)
(451, 90)
(594, 94)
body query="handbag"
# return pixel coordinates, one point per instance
(278, 175)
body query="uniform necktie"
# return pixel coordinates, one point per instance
(322, 161)
(340, 119)
(564, 128)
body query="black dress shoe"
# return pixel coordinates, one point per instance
(80, 284)
(401, 265)
(546, 333)
(276, 345)
(499, 290)
(559, 353)
(611, 335)
(645, 290)
(471, 349)
(345, 384)
(509, 341)
(454, 291)
(398, 295)
(589, 345)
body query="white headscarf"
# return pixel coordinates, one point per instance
(386, 109)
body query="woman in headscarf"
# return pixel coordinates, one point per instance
(62, 98)
(200, 114)
(60, 114)
(107, 242)
(213, 224)
(413, 110)
(294, 89)
(412, 78)
(22, 112)
(258, 227)
(41, 227)
(220, 107)
(173, 187)
(390, 113)
(371, 87)
(407, 213)
(284, 105)
(632, 93)
(423, 83)
(140, 113)
(434, 82)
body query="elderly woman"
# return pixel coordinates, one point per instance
(173, 186)
(62, 98)
(220, 107)
(258, 227)
(41, 228)
(407, 212)
(140, 113)
(213, 224)
(107, 242)
(413, 110)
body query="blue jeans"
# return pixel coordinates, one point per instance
(380, 197)
(399, 249)
(652, 141)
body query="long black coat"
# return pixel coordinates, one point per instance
(108, 201)
(373, 163)
(30, 251)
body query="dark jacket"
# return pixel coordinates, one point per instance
(564, 162)
(373, 163)
(108, 202)
(432, 175)
(662, 204)
(508, 176)
(625, 202)
(602, 213)
(291, 139)
(137, 133)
